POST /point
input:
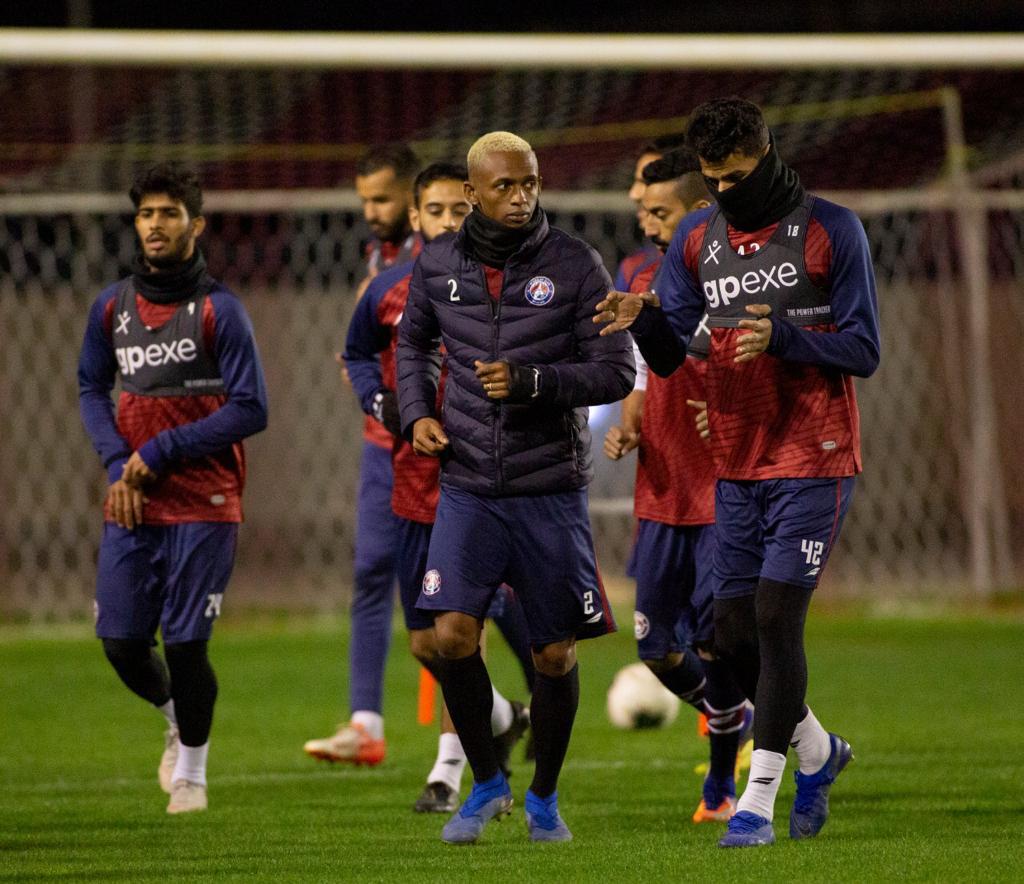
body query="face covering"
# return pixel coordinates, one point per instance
(172, 285)
(492, 242)
(765, 196)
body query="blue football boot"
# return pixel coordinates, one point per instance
(747, 829)
(543, 820)
(810, 806)
(489, 800)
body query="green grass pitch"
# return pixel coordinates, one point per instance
(933, 709)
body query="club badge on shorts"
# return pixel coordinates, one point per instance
(539, 291)
(432, 582)
(641, 625)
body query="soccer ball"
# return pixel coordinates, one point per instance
(637, 699)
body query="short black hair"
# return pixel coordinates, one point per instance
(437, 172)
(663, 143)
(397, 157)
(672, 165)
(681, 166)
(178, 182)
(723, 126)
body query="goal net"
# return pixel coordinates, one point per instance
(930, 157)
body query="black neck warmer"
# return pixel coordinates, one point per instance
(494, 243)
(765, 196)
(171, 285)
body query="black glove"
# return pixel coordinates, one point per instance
(385, 410)
(523, 383)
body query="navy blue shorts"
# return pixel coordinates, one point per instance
(167, 576)
(541, 545)
(413, 544)
(672, 565)
(779, 529)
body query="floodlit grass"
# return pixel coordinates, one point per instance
(932, 708)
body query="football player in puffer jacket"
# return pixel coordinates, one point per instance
(512, 299)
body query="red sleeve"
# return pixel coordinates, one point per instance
(108, 317)
(209, 326)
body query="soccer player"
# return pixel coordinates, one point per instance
(786, 281)
(651, 151)
(511, 299)
(675, 509)
(439, 206)
(384, 179)
(191, 390)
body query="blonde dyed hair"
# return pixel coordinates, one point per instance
(496, 142)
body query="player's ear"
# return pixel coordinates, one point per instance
(470, 191)
(198, 226)
(700, 204)
(414, 218)
(540, 184)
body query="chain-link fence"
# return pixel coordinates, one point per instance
(928, 508)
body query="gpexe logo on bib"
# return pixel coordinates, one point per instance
(432, 582)
(539, 291)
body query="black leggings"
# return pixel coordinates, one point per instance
(762, 637)
(187, 677)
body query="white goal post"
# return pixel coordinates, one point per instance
(424, 51)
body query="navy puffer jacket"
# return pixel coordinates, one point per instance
(544, 319)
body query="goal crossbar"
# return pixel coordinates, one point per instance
(38, 46)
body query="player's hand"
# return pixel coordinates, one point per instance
(135, 472)
(752, 345)
(342, 370)
(495, 377)
(125, 503)
(618, 310)
(701, 420)
(428, 437)
(618, 442)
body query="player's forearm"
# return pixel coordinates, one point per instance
(236, 420)
(659, 343)
(633, 411)
(97, 412)
(365, 377)
(850, 351)
(594, 382)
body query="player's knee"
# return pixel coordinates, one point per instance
(423, 644)
(556, 659)
(123, 652)
(457, 635)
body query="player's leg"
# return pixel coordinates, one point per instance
(361, 739)
(738, 558)
(465, 565)
(507, 614)
(554, 572)
(373, 590)
(128, 602)
(200, 557)
(803, 521)
(510, 719)
(664, 571)
(727, 710)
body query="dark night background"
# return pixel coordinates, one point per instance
(677, 17)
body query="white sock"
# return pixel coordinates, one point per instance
(762, 783)
(812, 744)
(168, 710)
(372, 722)
(450, 763)
(191, 764)
(501, 713)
